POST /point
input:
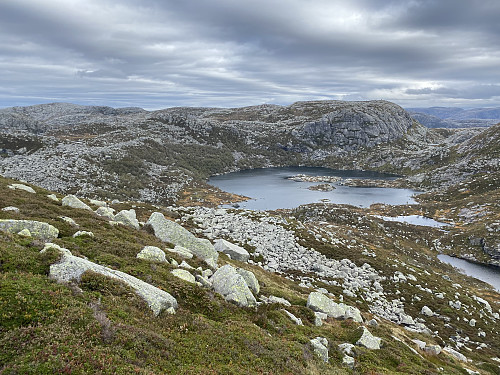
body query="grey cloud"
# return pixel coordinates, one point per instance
(226, 53)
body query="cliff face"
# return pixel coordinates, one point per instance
(351, 125)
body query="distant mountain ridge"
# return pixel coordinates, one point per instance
(453, 117)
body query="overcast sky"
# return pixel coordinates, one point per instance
(228, 53)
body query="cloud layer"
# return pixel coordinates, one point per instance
(158, 53)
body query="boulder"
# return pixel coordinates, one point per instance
(22, 187)
(168, 231)
(472, 322)
(81, 233)
(74, 202)
(347, 348)
(69, 220)
(320, 347)
(457, 355)
(321, 303)
(127, 218)
(107, 212)
(186, 265)
(348, 361)
(184, 275)
(181, 251)
(318, 318)
(232, 286)
(37, 229)
(433, 349)
(368, 340)
(426, 311)
(152, 253)
(98, 203)
(70, 267)
(53, 197)
(203, 281)
(10, 209)
(250, 279)
(234, 251)
(294, 319)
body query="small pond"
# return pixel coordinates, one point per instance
(488, 274)
(271, 189)
(415, 220)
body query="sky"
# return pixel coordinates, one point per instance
(230, 53)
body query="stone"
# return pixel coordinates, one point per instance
(234, 251)
(186, 265)
(53, 197)
(433, 349)
(368, 340)
(250, 279)
(472, 322)
(10, 209)
(98, 203)
(22, 187)
(169, 231)
(320, 347)
(82, 233)
(38, 229)
(184, 275)
(348, 361)
(50, 245)
(182, 252)
(372, 323)
(319, 302)
(74, 202)
(347, 348)
(203, 281)
(421, 344)
(232, 286)
(296, 320)
(207, 273)
(127, 218)
(70, 267)
(426, 311)
(152, 253)
(107, 212)
(318, 318)
(455, 354)
(281, 301)
(25, 233)
(69, 220)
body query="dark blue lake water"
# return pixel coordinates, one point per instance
(270, 189)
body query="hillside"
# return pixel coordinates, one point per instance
(453, 117)
(381, 275)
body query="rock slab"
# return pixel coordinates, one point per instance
(234, 251)
(37, 229)
(232, 286)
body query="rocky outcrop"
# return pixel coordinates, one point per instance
(23, 187)
(351, 125)
(127, 218)
(70, 267)
(169, 231)
(321, 303)
(37, 229)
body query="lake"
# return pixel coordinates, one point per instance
(270, 189)
(488, 274)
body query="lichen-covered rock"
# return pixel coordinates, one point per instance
(234, 251)
(22, 187)
(319, 302)
(232, 286)
(455, 354)
(433, 349)
(128, 218)
(184, 275)
(69, 220)
(348, 361)
(98, 203)
(250, 279)
(25, 233)
(368, 340)
(37, 229)
(168, 231)
(320, 347)
(70, 267)
(53, 197)
(182, 252)
(74, 202)
(293, 318)
(107, 212)
(152, 253)
(82, 233)
(426, 311)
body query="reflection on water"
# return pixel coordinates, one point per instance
(488, 274)
(270, 189)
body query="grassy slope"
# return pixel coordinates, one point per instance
(100, 326)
